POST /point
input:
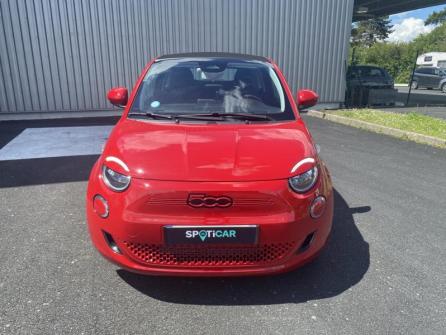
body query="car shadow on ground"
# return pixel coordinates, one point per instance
(41, 171)
(341, 265)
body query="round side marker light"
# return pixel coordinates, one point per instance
(317, 207)
(100, 206)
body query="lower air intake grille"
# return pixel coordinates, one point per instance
(208, 255)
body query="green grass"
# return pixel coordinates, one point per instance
(414, 122)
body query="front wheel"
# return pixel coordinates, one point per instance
(443, 88)
(414, 85)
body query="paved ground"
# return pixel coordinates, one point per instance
(425, 91)
(383, 271)
(421, 97)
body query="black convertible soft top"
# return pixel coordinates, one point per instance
(214, 55)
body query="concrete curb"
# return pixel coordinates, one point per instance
(434, 141)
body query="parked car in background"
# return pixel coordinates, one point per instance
(430, 78)
(369, 85)
(370, 76)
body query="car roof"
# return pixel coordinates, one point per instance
(365, 66)
(226, 55)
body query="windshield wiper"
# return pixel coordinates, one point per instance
(177, 117)
(203, 116)
(152, 115)
(239, 116)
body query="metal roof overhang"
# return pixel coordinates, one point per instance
(366, 9)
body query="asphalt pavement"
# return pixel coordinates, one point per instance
(421, 97)
(383, 271)
(424, 91)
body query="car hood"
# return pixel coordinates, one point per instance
(198, 152)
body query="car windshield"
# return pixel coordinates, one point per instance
(212, 86)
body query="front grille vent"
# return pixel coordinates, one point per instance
(208, 255)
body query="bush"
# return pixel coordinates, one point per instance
(399, 58)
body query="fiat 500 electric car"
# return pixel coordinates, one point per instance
(210, 171)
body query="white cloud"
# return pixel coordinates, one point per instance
(397, 18)
(408, 29)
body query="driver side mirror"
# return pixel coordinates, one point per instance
(118, 96)
(306, 99)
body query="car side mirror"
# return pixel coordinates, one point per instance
(306, 99)
(118, 96)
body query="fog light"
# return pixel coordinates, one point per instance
(317, 207)
(307, 242)
(100, 206)
(111, 243)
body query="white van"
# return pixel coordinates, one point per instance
(437, 59)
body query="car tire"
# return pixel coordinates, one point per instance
(443, 88)
(414, 85)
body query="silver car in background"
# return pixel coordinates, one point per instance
(430, 78)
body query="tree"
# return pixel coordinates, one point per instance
(398, 58)
(436, 17)
(368, 32)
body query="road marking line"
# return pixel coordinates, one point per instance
(56, 142)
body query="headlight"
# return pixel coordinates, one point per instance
(114, 180)
(305, 181)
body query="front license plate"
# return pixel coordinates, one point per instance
(246, 234)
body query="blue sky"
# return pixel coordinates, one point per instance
(419, 13)
(408, 25)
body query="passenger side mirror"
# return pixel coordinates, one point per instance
(306, 99)
(118, 96)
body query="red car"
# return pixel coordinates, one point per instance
(210, 172)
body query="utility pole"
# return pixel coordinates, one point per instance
(411, 78)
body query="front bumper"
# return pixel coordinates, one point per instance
(132, 235)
